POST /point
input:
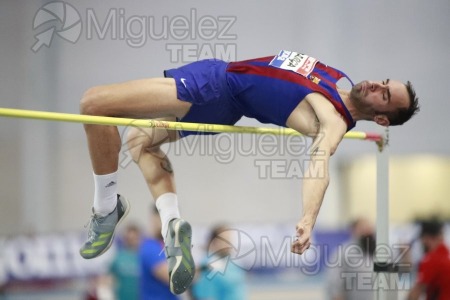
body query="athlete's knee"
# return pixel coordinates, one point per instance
(91, 102)
(139, 142)
(134, 143)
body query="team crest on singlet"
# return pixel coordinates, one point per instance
(293, 61)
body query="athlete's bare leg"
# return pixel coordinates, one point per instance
(144, 145)
(147, 98)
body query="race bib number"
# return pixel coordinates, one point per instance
(293, 61)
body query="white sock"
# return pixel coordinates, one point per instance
(105, 196)
(167, 205)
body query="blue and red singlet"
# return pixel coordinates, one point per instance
(267, 89)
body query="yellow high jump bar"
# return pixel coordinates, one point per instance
(98, 120)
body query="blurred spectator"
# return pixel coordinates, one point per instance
(354, 265)
(433, 278)
(154, 283)
(219, 278)
(125, 265)
(99, 288)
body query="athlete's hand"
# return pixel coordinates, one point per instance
(303, 237)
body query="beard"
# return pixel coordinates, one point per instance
(358, 99)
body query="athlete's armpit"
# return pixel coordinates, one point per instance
(317, 124)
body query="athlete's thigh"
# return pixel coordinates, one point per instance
(144, 98)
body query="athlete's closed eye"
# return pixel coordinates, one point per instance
(388, 91)
(387, 94)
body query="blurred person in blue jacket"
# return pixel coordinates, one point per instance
(154, 283)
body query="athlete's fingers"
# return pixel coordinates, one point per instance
(302, 242)
(303, 235)
(299, 248)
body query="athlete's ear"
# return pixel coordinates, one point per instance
(381, 120)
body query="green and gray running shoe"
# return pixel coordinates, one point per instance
(179, 257)
(101, 229)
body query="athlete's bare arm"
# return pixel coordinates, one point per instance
(330, 128)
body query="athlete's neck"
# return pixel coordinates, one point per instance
(345, 96)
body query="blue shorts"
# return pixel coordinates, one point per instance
(204, 84)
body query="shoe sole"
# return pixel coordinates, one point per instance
(127, 210)
(183, 272)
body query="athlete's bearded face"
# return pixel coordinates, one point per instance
(378, 97)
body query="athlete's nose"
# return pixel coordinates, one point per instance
(375, 85)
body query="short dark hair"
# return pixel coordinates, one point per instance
(133, 228)
(216, 231)
(402, 115)
(431, 228)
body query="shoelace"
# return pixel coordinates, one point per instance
(93, 221)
